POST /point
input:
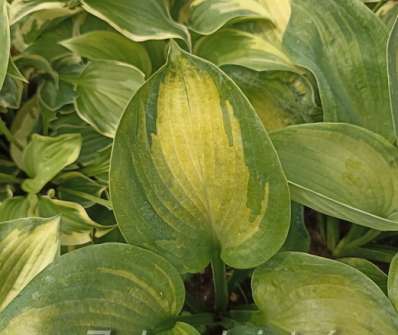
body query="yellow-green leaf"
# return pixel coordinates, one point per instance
(44, 157)
(103, 90)
(112, 286)
(194, 173)
(305, 294)
(17, 208)
(27, 246)
(342, 170)
(76, 226)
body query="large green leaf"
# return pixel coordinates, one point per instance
(45, 156)
(138, 20)
(193, 172)
(103, 91)
(27, 246)
(107, 45)
(343, 44)
(111, 286)
(343, 171)
(77, 227)
(305, 294)
(4, 41)
(392, 49)
(207, 16)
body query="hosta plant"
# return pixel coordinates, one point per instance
(182, 167)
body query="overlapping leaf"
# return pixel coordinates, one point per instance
(193, 172)
(27, 246)
(207, 16)
(138, 20)
(305, 294)
(342, 170)
(333, 42)
(106, 45)
(103, 91)
(117, 287)
(44, 157)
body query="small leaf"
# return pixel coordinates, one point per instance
(4, 41)
(27, 246)
(193, 171)
(76, 187)
(77, 227)
(103, 91)
(138, 20)
(23, 125)
(106, 45)
(343, 171)
(44, 157)
(301, 293)
(110, 286)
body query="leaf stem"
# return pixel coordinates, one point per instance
(9, 136)
(332, 232)
(220, 283)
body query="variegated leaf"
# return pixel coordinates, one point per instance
(115, 287)
(27, 246)
(138, 20)
(44, 157)
(193, 172)
(103, 91)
